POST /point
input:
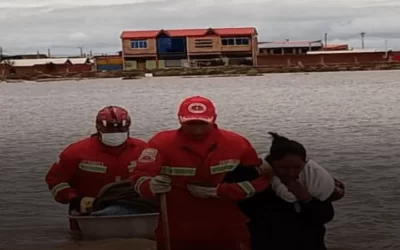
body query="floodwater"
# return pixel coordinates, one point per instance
(349, 122)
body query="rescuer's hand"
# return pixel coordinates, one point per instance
(265, 169)
(86, 205)
(82, 205)
(160, 184)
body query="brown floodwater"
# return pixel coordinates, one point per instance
(349, 122)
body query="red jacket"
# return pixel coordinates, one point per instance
(207, 162)
(86, 166)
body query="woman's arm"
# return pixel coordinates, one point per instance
(317, 212)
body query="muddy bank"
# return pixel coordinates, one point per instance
(196, 72)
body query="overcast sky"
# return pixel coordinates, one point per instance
(30, 25)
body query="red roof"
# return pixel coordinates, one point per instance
(245, 31)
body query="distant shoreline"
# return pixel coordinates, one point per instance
(197, 72)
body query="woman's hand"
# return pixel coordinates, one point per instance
(338, 192)
(299, 190)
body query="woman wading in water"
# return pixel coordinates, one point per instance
(293, 211)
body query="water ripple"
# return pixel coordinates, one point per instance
(349, 122)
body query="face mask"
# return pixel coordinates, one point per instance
(114, 139)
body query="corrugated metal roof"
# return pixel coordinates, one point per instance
(343, 51)
(241, 31)
(41, 61)
(332, 46)
(79, 60)
(289, 44)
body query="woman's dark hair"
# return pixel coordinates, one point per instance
(282, 147)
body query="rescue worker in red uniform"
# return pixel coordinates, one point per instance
(188, 165)
(84, 167)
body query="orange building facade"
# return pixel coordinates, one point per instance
(108, 63)
(154, 49)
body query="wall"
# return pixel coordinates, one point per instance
(151, 48)
(213, 42)
(130, 65)
(173, 63)
(396, 56)
(106, 60)
(109, 67)
(216, 45)
(56, 69)
(327, 59)
(133, 64)
(151, 64)
(76, 68)
(109, 63)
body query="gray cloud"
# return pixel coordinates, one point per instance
(64, 26)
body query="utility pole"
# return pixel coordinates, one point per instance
(1, 53)
(326, 41)
(48, 53)
(362, 34)
(81, 50)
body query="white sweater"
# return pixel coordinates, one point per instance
(319, 183)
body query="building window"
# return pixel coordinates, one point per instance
(235, 41)
(288, 51)
(139, 44)
(228, 41)
(171, 45)
(242, 41)
(276, 51)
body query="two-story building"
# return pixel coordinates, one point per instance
(153, 49)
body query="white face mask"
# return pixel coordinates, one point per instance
(114, 139)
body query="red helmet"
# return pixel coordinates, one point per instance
(113, 119)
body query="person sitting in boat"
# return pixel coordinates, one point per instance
(186, 166)
(293, 211)
(84, 167)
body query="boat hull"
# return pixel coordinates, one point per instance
(122, 226)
